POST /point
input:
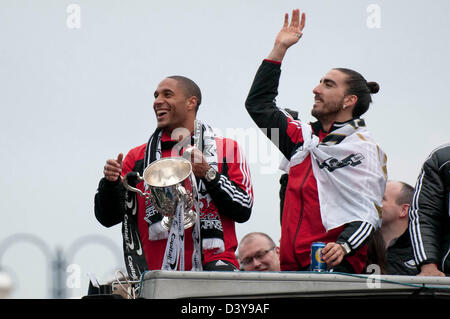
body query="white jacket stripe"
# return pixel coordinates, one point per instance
(416, 236)
(360, 235)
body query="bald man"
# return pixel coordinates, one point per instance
(397, 255)
(258, 252)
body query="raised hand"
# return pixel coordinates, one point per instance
(289, 35)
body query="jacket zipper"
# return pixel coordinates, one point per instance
(300, 219)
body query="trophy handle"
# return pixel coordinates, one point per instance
(134, 189)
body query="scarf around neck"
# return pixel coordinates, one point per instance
(351, 174)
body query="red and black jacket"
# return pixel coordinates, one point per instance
(231, 192)
(301, 222)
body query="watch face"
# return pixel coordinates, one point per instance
(210, 174)
(346, 248)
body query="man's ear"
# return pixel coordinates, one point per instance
(350, 101)
(277, 250)
(405, 210)
(191, 103)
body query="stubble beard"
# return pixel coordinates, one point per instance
(328, 111)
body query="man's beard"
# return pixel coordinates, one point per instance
(328, 110)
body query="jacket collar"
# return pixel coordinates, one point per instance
(403, 241)
(318, 128)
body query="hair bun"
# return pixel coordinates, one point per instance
(373, 87)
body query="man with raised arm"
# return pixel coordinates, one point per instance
(337, 173)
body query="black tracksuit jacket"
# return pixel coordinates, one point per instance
(429, 212)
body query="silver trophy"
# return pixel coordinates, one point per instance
(170, 181)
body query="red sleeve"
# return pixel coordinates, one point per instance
(232, 190)
(133, 156)
(238, 170)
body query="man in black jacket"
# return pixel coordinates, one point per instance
(390, 246)
(429, 215)
(394, 229)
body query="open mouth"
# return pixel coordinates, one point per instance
(161, 113)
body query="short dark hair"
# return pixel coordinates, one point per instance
(189, 87)
(406, 194)
(357, 85)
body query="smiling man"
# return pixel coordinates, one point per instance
(177, 100)
(223, 181)
(337, 173)
(258, 252)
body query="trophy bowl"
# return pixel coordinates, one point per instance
(170, 181)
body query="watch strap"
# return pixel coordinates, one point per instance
(346, 247)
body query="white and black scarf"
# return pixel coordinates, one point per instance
(210, 227)
(350, 169)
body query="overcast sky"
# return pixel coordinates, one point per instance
(77, 87)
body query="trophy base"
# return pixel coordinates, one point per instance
(189, 220)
